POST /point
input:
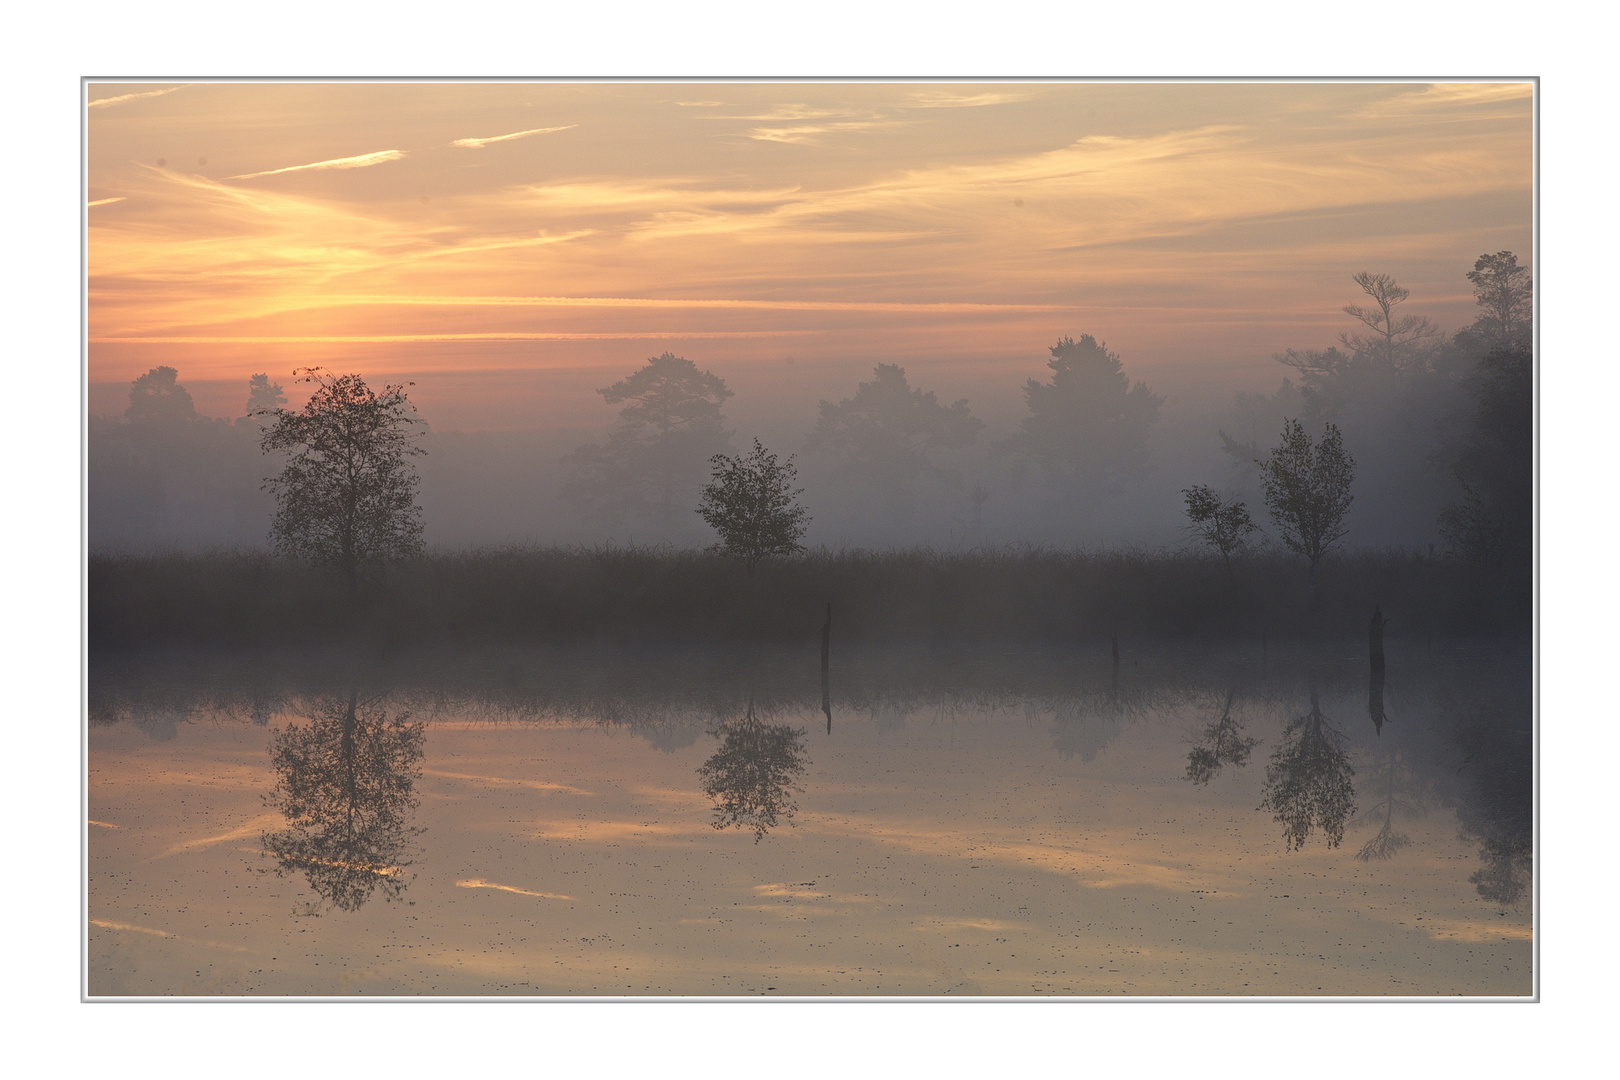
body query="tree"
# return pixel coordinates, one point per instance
(1492, 521)
(1223, 524)
(347, 495)
(884, 437)
(1088, 427)
(264, 396)
(1393, 335)
(669, 429)
(750, 503)
(1308, 490)
(345, 784)
(158, 397)
(1504, 289)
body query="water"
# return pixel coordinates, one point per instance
(973, 823)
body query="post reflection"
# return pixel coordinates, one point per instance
(346, 782)
(754, 775)
(1309, 780)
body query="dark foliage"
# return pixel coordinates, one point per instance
(346, 497)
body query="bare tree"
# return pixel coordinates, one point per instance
(1392, 335)
(751, 503)
(347, 495)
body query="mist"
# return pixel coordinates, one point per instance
(190, 482)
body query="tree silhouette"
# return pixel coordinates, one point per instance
(264, 396)
(670, 427)
(1309, 780)
(157, 397)
(345, 783)
(884, 437)
(1393, 336)
(1222, 744)
(751, 504)
(1088, 427)
(754, 775)
(1492, 520)
(1307, 490)
(1221, 523)
(1504, 289)
(347, 495)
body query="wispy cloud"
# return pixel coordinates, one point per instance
(359, 161)
(104, 202)
(949, 99)
(808, 133)
(480, 883)
(477, 144)
(102, 103)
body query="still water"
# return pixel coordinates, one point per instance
(1205, 822)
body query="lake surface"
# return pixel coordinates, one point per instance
(1196, 821)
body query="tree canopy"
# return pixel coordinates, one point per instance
(158, 397)
(751, 503)
(1505, 292)
(347, 494)
(1088, 427)
(1307, 488)
(670, 427)
(887, 436)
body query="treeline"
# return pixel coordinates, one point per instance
(1437, 430)
(635, 596)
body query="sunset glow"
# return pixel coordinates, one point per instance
(448, 229)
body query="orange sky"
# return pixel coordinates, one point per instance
(472, 236)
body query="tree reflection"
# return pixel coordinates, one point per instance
(1386, 842)
(1222, 744)
(1497, 807)
(753, 776)
(345, 783)
(1308, 782)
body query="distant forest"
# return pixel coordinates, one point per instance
(1439, 426)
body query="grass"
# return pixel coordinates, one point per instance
(627, 596)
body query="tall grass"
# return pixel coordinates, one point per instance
(627, 595)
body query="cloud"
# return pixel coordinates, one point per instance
(478, 144)
(104, 202)
(946, 99)
(807, 133)
(102, 103)
(480, 883)
(359, 161)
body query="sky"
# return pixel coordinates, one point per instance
(511, 247)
